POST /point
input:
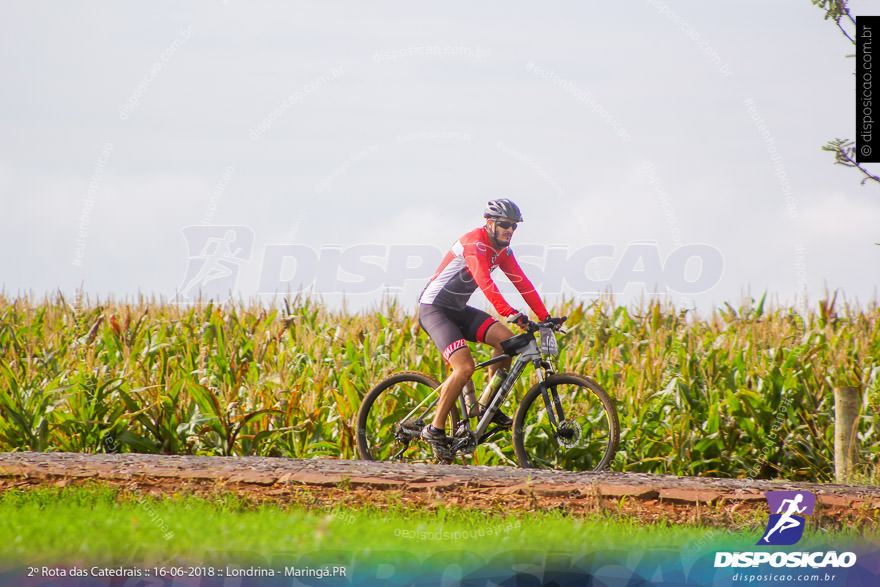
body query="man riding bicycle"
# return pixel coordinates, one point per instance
(450, 322)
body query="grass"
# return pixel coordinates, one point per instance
(94, 529)
(745, 391)
(100, 525)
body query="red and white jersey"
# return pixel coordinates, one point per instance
(468, 264)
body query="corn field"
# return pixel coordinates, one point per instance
(743, 392)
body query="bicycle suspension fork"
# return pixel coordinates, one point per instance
(555, 413)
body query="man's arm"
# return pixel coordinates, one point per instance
(477, 261)
(515, 273)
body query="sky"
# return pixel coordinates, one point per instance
(656, 148)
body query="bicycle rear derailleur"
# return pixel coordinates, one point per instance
(408, 430)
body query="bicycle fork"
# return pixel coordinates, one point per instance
(555, 413)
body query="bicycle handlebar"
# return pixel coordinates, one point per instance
(552, 323)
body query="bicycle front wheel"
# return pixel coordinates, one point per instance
(583, 433)
(392, 415)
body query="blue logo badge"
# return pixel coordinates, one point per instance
(787, 511)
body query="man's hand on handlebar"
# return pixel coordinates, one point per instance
(556, 322)
(523, 322)
(519, 319)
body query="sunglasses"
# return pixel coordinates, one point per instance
(504, 225)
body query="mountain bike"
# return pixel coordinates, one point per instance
(565, 421)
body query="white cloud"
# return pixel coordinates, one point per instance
(843, 217)
(713, 178)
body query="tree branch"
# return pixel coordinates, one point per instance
(836, 10)
(845, 154)
(845, 34)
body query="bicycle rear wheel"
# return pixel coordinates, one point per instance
(585, 431)
(390, 418)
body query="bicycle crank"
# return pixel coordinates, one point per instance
(465, 441)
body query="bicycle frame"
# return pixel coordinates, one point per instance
(529, 354)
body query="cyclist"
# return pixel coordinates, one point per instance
(450, 322)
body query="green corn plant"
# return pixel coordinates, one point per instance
(27, 409)
(217, 425)
(744, 391)
(91, 415)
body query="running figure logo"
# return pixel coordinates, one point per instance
(215, 256)
(787, 511)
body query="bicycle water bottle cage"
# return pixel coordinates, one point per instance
(514, 345)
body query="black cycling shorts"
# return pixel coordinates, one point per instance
(451, 329)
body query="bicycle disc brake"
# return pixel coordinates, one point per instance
(568, 433)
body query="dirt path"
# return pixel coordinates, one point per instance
(329, 482)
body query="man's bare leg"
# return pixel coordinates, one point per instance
(462, 363)
(496, 334)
